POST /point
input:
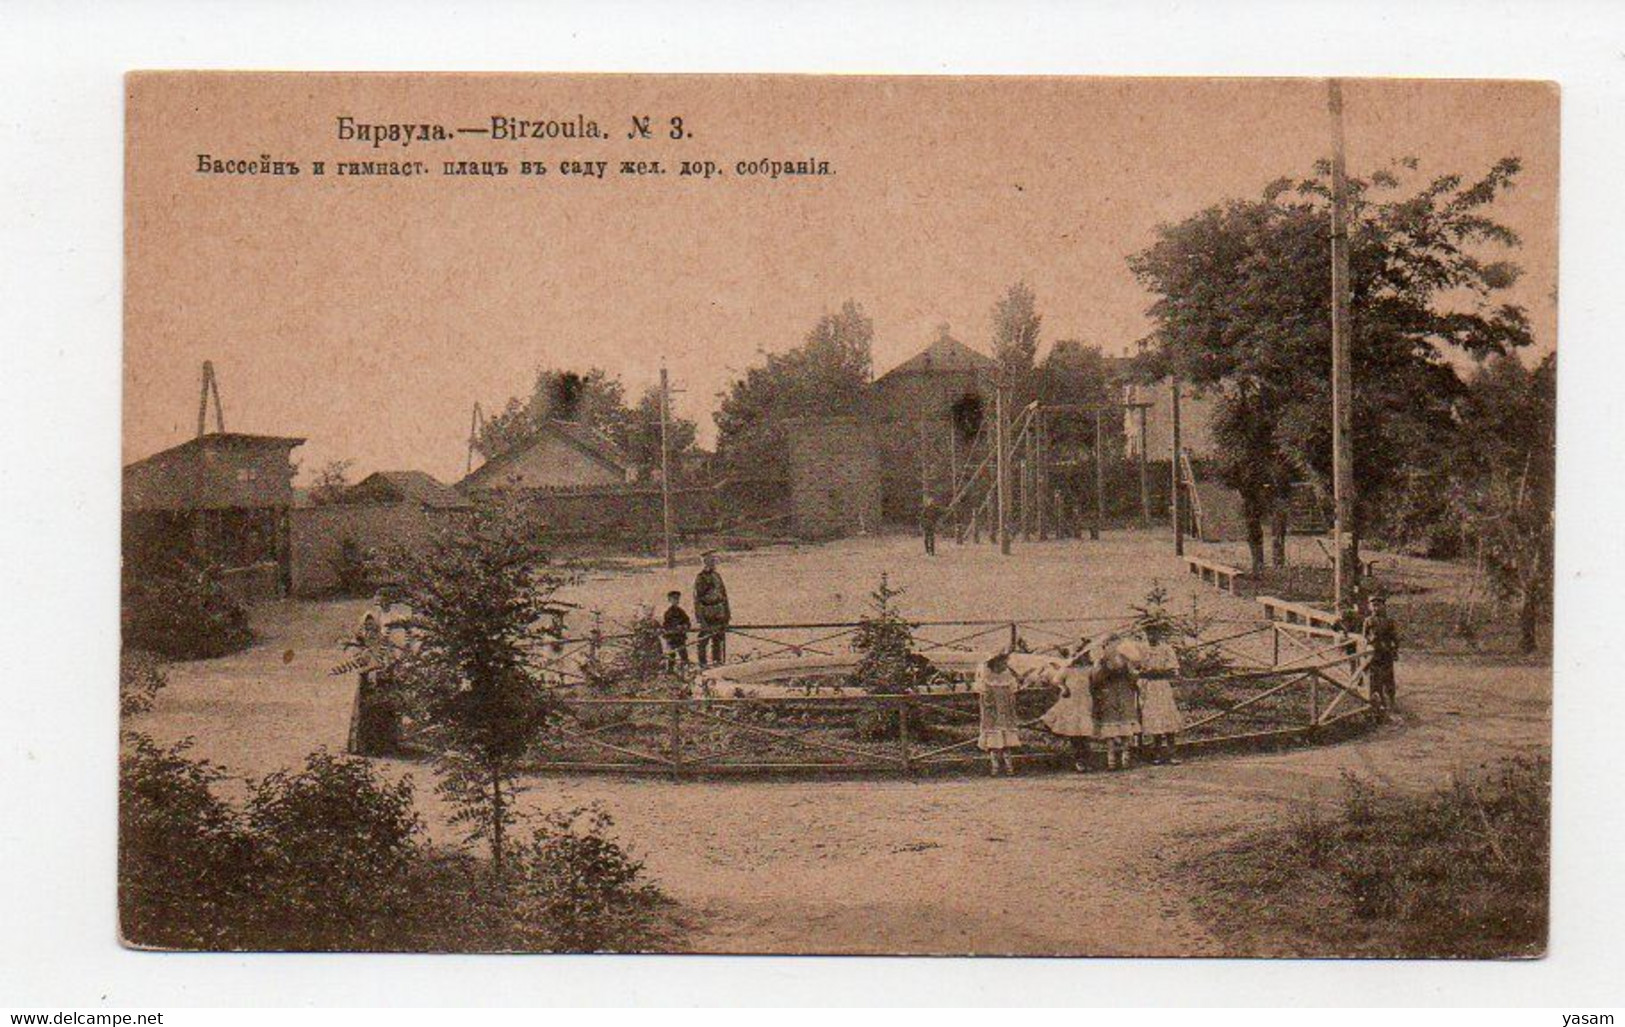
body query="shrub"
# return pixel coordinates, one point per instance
(186, 870)
(182, 614)
(353, 570)
(140, 677)
(1460, 872)
(579, 890)
(887, 662)
(336, 840)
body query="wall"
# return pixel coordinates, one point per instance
(902, 406)
(835, 479)
(317, 534)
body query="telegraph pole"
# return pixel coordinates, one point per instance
(211, 386)
(1001, 441)
(665, 464)
(1100, 478)
(1346, 569)
(1179, 523)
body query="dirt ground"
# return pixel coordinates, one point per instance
(1038, 864)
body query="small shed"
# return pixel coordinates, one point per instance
(220, 500)
(416, 487)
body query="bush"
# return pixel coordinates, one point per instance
(581, 891)
(140, 677)
(1461, 872)
(182, 614)
(353, 570)
(329, 858)
(336, 840)
(187, 871)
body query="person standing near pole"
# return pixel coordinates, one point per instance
(711, 609)
(1383, 635)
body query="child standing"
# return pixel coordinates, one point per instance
(1073, 715)
(1115, 689)
(996, 684)
(674, 628)
(1160, 719)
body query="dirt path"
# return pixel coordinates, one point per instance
(1042, 864)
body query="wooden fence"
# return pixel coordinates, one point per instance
(1275, 682)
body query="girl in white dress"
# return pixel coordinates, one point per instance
(996, 684)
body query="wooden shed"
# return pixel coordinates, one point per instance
(220, 500)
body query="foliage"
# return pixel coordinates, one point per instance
(828, 374)
(638, 658)
(640, 437)
(887, 663)
(330, 858)
(582, 892)
(1460, 872)
(1075, 374)
(594, 398)
(1015, 332)
(181, 613)
(353, 569)
(330, 482)
(1504, 483)
(1242, 301)
(1183, 632)
(140, 677)
(478, 602)
(333, 841)
(187, 871)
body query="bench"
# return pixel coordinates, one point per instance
(1297, 613)
(1219, 575)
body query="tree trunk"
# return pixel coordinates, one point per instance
(1255, 540)
(1278, 523)
(1529, 622)
(497, 816)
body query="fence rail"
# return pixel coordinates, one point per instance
(1280, 681)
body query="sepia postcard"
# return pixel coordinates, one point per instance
(1034, 516)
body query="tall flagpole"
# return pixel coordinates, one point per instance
(1346, 570)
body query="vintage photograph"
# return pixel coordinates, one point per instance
(998, 516)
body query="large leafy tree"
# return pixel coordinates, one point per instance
(593, 397)
(641, 439)
(1243, 304)
(828, 374)
(1503, 482)
(1016, 323)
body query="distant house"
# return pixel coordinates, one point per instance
(220, 501)
(928, 410)
(563, 454)
(416, 487)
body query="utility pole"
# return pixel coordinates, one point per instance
(1001, 440)
(1179, 523)
(1100, 477)
(665, 464)
(1040, 456)
(211, 385)
(1346, 567)
(1145, 480)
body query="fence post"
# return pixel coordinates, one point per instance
(1014, 636)
(903, 706)
(1314, 699)
(1275, 637)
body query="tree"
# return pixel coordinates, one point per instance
(1242, 303)
(641, 441)
(330, 482)
(1015, 332)
(594, 398)
(1505, 482)
(478, 602)
(827, 375)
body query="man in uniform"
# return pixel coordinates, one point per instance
(1383, 635)
(711, 610)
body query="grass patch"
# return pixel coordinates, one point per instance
(1461, 873)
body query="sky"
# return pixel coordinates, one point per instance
(370, 315)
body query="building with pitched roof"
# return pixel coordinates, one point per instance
(562, 454)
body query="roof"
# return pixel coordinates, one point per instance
(582, 437)
(944, 356)
(415, 486)
(235, 439)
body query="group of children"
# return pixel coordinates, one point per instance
(1114, 691)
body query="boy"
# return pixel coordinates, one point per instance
(674, 631)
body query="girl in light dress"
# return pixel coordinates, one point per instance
(1160, 719)
(996, 685)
